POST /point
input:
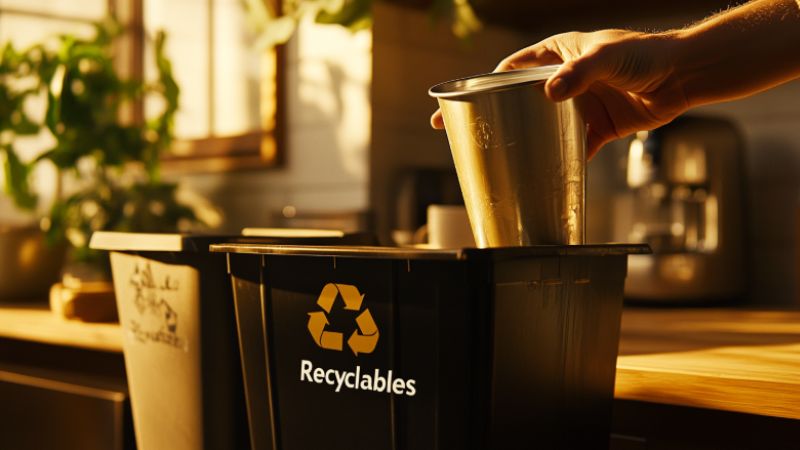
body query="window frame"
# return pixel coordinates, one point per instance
(255, 149)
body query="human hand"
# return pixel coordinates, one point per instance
(622, 81)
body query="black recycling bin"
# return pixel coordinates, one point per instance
(370, 348)
(179, 335)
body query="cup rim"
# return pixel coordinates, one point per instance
(495, 81)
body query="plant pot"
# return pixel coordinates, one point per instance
(29, 265)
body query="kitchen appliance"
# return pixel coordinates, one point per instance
(685, 199)
(520, 158)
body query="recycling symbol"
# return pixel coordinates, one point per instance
(363, 339)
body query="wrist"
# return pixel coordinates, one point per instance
(689, 62)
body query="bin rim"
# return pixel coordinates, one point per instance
(404, 253)
(120, 241)
(155, 242)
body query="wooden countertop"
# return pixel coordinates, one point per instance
(34, 322)
(728, 359)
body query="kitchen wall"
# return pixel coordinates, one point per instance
(328, 72)
(770, 123)
(411, 53)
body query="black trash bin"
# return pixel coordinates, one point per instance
(379, 348)
(180, 340)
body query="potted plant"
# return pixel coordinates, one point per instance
(108, 174)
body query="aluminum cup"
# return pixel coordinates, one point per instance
(520, 158)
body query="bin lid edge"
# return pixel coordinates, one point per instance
(340, 251)
(121, 241)
(440, 254)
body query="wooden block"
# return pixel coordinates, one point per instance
(87, 301)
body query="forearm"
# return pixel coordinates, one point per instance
(740, 52)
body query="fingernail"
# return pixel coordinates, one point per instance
(558, 89)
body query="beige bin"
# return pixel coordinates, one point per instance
(180, 344)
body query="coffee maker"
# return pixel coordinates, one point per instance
(684, 197)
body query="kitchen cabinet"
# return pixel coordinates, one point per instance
(62, 383)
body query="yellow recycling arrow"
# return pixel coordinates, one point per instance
(367, 339)
(332, 340)
(352, 298)
(326, 339)
(327, 297)
(366, 324)
(363, 340)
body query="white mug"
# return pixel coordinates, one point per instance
(448, 227)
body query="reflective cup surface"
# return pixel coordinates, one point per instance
(520, 158)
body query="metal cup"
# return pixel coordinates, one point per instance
(520, 158)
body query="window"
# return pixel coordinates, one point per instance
(228, 102)
(228, 105)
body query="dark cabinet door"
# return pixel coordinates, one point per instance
(54, 410)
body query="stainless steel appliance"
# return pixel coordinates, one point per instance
(685, 199)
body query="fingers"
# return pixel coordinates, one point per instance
(574, 77)
(594, 142)
(437, 121)
(535, 55)
(600, 128)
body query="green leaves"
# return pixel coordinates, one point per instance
(160, 130)
(16, 178)
(13, 96)
(84, 96)
(15, 122)
(273, 29)
(12, 113)
(141, 207)
(355, 15)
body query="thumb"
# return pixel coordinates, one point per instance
(575, 76)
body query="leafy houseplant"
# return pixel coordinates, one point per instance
(113, 166)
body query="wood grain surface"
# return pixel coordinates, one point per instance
(36, 323)
(734, 360)
(729, 359)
